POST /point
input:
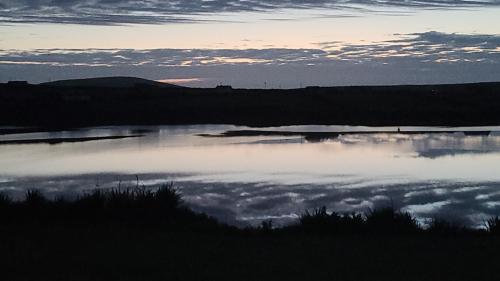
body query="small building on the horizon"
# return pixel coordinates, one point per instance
(224, 89)
(17, 83)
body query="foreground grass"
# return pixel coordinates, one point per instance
(149, 235)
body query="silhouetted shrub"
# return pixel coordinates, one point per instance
(444, 227)
(266, 226)
(493, 225)
(383, 221)
(34, 198)
(319, 221)
(5, 200)
(163, 207)
(168, 196)
(93, 200)
(135, 207)
(390, 221)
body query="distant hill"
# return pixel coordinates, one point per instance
(111, 82)
(424, 105)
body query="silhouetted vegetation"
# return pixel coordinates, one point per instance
(134, 207)
(150, 234)
(164, 208)
(70, 106)
(493, 225)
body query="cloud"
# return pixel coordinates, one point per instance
(417, 48)
(425, 47)
(430, 57)
(163, 57)
(180, 81)
(106, 12)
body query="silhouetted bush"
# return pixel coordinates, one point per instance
(130, 206)
(163, 208)
(5, 200)
(444, 227)
(266, 226)
(34, 198)
(390, 221)
(493, 225)
(322, 221)
(382, 221)
(168, 196)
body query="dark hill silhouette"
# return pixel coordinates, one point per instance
(424, 105)
(110, 82)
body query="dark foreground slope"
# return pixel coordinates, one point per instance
(123, 254)
(143, 235)
(466, 104)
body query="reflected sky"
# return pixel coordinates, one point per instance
(248, 179)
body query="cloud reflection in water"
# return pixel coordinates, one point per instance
(247, 180)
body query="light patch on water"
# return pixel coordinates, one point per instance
(492, 204)
(349, 204)
(487, 196)
(268, 217)
(468, 189)
(10, 188)
(4, 180)
(426, 208)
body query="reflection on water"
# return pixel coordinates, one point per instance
(247, 179)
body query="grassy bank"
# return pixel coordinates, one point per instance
(124, 254)
(163, 208)
(140, 234)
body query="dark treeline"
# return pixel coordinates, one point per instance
(139, 234)
(447, 105)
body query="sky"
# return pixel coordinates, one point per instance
(252, 43)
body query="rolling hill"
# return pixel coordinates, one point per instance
(109, 82)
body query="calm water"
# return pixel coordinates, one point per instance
(247, 179)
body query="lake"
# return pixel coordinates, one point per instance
(244, 178)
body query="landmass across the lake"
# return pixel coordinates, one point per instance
(318, 136)
(129, 101)
(64, 140)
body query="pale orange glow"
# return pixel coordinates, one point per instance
(250, 30)
(239, 60)
(180, 80)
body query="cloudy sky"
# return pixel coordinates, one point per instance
(252, 43)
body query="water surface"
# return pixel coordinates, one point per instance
(436, 172)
